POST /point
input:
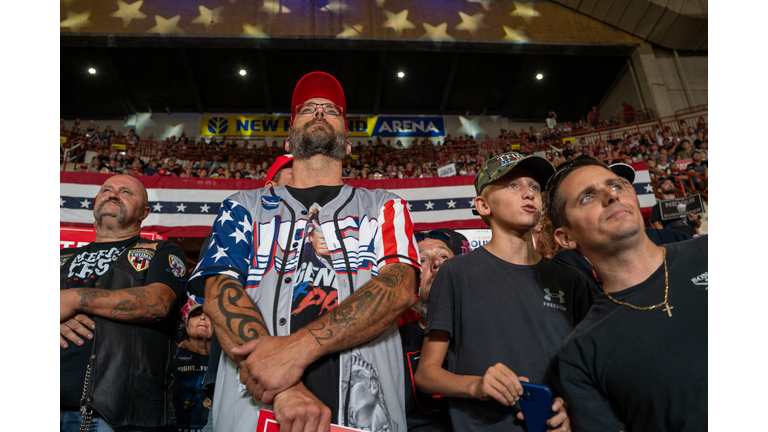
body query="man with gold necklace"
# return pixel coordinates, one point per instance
(638, 361)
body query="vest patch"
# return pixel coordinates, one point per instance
(177, 265)
(270, 202)
(140, 258)
(152, 246)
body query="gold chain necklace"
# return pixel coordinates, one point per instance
(668, 308)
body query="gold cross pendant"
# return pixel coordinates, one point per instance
(668, 309)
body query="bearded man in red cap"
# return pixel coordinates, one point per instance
(316, 342)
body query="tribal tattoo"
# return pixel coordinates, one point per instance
(229, 293)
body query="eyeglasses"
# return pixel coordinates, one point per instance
(434, 234)
(311, 107)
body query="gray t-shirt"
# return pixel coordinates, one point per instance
(495, 312)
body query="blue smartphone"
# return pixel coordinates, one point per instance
(536, 404)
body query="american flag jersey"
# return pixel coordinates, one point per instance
(258, 238)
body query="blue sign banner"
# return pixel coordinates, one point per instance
(412, 126)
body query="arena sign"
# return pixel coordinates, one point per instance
(248, 126)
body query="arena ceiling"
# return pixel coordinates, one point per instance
(202, 76)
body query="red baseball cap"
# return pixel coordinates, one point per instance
(318, 84)
(280, 162)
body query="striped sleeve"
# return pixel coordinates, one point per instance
(397, 243)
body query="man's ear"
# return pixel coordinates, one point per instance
(145, 213)
(287, 145)
(481, 205)
(349, 148)
(564, 239)
(269, 184)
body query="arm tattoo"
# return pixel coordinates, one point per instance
(88, 295)
(230, 292)
(364, 303)
(159, 307)
(125, 308)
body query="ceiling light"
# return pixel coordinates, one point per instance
(539, 76)
(242, 72)
(91, 71)
(400, 74)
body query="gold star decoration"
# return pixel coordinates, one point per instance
(351, 31)
(525, 11)
(166, 26)
(335, 6)
(398, 21)
(128, 12)
(437, 32)
(471, 23)
(209, 17)
(515, 34)
(76, 21)
(257, 30)
(273, 8)
(485, 4)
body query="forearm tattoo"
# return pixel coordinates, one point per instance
(364, 303)
(88, 295)
(125, 308)
(248, 318)
(155, 303)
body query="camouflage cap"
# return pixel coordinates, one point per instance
(496, 167)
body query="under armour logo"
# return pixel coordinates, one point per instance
(560, 296)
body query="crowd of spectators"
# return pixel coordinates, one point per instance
(378, 159)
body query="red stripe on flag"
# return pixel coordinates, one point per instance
(388, 239)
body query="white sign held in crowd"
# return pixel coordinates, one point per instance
(447, 171)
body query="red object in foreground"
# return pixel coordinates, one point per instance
(267, 423)
(76, 237)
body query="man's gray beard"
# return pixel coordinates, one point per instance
(120, 215)
(307, 144)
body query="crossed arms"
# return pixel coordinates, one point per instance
(271, 367)
(139, 304)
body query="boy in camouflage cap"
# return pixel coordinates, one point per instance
(500, 306)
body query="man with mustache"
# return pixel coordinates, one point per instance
(638, 360)
(317, 344)
(119, 315)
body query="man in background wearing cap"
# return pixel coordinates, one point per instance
(321, 344)
(427, 412)
(500, 306)
(666, 191)
(189, 398)
(639, 359)
(698, 166)
(281, 172)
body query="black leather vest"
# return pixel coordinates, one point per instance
(131, 364)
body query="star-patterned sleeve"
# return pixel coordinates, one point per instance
(230, 251)
(396, 242)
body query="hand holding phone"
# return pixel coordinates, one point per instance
(536, 404)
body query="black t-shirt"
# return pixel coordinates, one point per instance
(498, 312)
(86, 269)
(191, 403)
(322, 376)
(642, 368)
(577, 260)
(423, 412)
